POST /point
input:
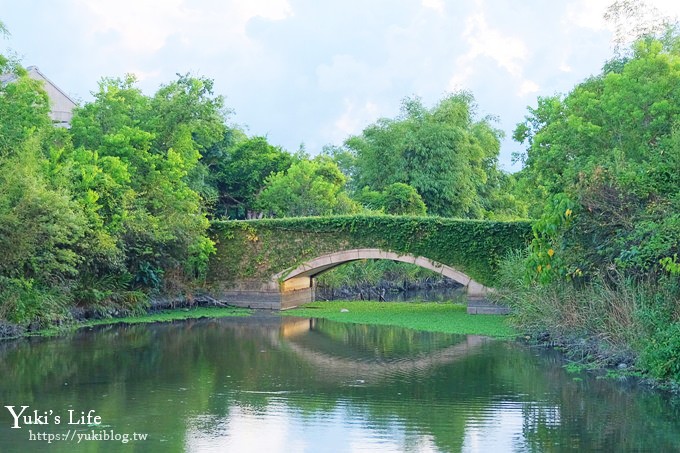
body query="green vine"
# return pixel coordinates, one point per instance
(258, 249)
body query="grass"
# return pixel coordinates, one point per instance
(426, 316)
(160, 316)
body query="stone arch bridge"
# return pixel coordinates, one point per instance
(272, 263)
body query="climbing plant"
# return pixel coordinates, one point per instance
(261, 248)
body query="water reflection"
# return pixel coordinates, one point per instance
(272, 384)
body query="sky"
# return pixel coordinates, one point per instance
(317, 72)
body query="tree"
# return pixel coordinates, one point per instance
(443, 153)
(397, 199)
(39, 225)
(24, 106)
(241, 174)
(151, 147)
(307, 188)
(611, 147)
(635, 19)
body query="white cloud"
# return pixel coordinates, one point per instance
(319, 71)
(528, 87)
(509, 52)
(353, 119)
(437, 5)
(144, 26)
(346, 73)
(142, 75)
(268, 9)
(671, 7)
(587, 14)
(463, 72)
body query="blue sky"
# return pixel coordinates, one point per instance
(316, 72)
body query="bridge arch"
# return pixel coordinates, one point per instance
(301, 277)
(257, 262)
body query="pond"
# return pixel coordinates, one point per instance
(272, 384)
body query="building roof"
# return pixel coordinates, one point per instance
(61, 104)
(33, 71)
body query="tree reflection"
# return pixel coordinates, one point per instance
(180, 381)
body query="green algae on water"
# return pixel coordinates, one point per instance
(426, 316)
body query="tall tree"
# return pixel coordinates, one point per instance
(155, 141)
(611, 147)
(241, 174)
(442, 152)
(308, 188)
(24, 105)
(41, 226)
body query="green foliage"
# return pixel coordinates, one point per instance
(443, 153)
(24, 299)
(597, 322)
(262, 248)
(242, 173)
(611, 146)
(136, 155)
(99, 214)
(546, 259)
(40, 226)
(660, 356)
(354, 273)
(671, 264)
(659, 346)
(199, 254)
(500, 199)
(358, 274)
(172, 315)
(187, 116)
(603, 260)
(109, 291)
(611, 320)
(176, 314)
(24, 107)
(402, 199)
(307, 188)
(397, 199)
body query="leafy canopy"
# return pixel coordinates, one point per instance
(308, 188)
(444, 153)
(612, 147)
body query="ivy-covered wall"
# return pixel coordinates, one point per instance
(258, 249)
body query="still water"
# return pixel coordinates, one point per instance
(270, 384)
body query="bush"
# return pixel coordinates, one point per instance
(23, 301)
(609, 320)
(660, 347)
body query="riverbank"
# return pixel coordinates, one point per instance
(158, 315)
(426, 316)
(610, 321)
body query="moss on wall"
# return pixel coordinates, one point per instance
(258, 249)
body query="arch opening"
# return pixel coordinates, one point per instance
(301, 277)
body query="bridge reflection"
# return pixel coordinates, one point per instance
(305, 338)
